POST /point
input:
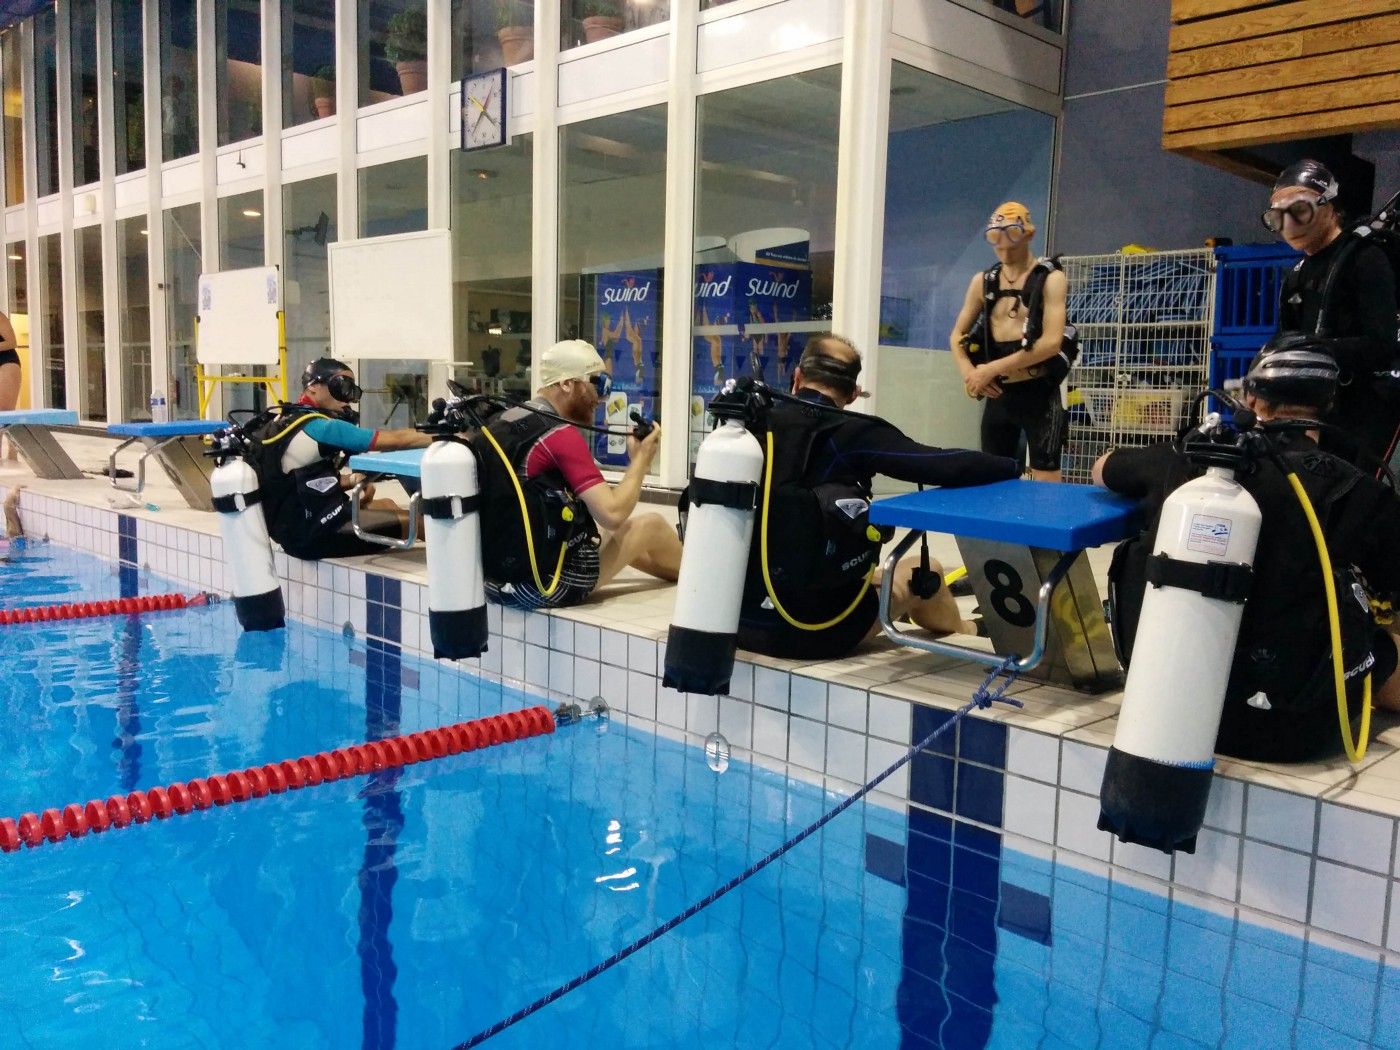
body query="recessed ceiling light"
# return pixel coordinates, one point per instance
(483, 173)
(145, 233)
(252, 213)
(17, 258)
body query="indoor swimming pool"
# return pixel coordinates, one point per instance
(414, 907)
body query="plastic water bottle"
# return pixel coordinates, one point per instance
(160, 413)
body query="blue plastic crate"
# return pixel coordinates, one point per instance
(1229, 360)
(1247, 282)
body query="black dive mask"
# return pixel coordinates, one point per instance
(343, 388)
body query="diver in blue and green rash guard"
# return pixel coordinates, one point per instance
(301, 451)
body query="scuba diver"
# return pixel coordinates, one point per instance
(1281, 703)
(299, 450)
(536, 465)
(1013, 321)
(811, 588)
(1345, 289)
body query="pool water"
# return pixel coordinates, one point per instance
(412, 908)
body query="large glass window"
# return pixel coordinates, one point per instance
(128, 97)
(134, 301)
(491, 33)
(308, 219)
(1046, 13)
(491, 223)
(179, 103)
(46, 101)
(241, 231)
(612, 224)
(765, 223)
(933, 242)
(92, 356)
(238, 58)
(51, 318)
(394, 199)
(16, 266)
(587, 21)
(308, 60)
(182, 269)
(13, 115)
(393, 49)
(82, 68)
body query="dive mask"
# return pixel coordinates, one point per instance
(602, 383)
(343, 388)
(1301, 210)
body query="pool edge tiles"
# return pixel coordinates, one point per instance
(1274, 840)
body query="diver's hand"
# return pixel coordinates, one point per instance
(644, 451)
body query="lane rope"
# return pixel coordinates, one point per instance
(984, 696)
(119, 811)
(108, 607)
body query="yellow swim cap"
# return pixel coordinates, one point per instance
(1011, 214)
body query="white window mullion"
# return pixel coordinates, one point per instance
(544, 228)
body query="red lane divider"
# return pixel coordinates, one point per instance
(110, 607)
(76, 820)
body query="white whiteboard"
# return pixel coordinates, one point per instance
(391, 297)
(238, 317)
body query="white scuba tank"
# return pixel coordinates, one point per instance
(1157, 778)
(452, 528)
(257, 592)
(719, 528)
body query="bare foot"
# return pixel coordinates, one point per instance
(13, 526)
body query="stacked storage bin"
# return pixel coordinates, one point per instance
(1247, 282)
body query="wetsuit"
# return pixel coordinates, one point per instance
(1283, 649)
(301, 451)
(1362, 324)
(853, 451)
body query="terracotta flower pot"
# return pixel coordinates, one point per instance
(600, 27)
(517, 44)
(413, 75)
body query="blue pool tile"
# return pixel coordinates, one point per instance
(1138, 931)
(931, 781)
(1265, 976)
(925, 721)
(979, 840)
(1123, 1029)
(929, 857)
(1316, 1036)
(1198, 953)
(1192, 1008)
(1387, 1034)
(129, 581)
(1078, 963)
(928, 901)
(393, 591)
(1325, 987)
(1071, 1015)
(884, 859)
(1025, 913)
(374, 620)
(934, 825)
(976, 873)
(974, 921)
(1164, 1040)
(980, 794)
(392, 622)
(1131, 983)
(1080, 910)
(982, 741)
(374, 587)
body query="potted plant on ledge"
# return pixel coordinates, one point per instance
(406, 46)
(601, 19)
(323, 91)
(515, 31)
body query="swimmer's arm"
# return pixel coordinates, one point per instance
(8, 339)
(967, 317)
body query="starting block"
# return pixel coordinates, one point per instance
(28, 429)
(178, 446)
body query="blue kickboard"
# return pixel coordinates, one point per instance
(1055, 515)
(405, 463)
(174, 428)
(38, 417)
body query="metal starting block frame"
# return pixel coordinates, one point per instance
(1024, 545)
(178, 446)
(404, 463)
(28, 428)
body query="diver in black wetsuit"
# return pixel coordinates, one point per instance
(1361, 321)
(823, 467)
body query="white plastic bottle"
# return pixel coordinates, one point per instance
(160, 411)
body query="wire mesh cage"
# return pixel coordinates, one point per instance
(1144, 334)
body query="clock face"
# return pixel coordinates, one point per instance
(484, 110)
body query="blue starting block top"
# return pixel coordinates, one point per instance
(405, 463)
(1049, 514)
(174, 428)
(38, 417)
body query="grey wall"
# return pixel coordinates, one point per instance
(1115, 184)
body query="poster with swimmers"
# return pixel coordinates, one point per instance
(626, 309)
(743, 294)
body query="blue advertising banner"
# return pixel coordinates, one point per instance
(745, 294)
(626, 308)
